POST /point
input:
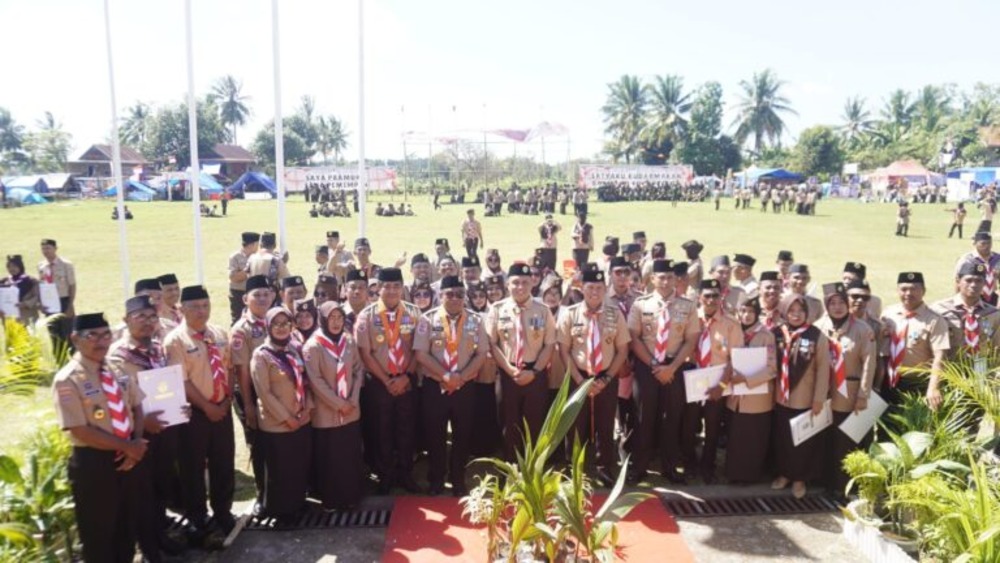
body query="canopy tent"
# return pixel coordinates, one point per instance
(209, 185)
(981, 175)
(34, 183)
(911, 170)
(253, 182)
(134, 191)
(25, 196)
(754, 175)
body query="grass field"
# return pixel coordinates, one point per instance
(160, 239)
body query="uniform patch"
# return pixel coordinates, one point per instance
(65, 394)
(422, 328)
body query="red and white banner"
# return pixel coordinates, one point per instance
(337, 178)
(594, 176)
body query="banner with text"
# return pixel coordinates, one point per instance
(593, 176)
(337, 179)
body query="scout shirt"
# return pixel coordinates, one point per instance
(321, 369)
(375, 329)
(857, 340)
(276, 389)
(749, 285)
(624, 303)
(60, 272)
(814, 385)
(557, 368)
(732, 296)
(724, 335)
(80, 399)
(644, 316)
(128, 356)
(927, 333)
(192, 355)
(573, 332)
(238, 263)
(953, 311)
(248, 334)
(471, 229)
(269, 265)
(696, 272)
(434, 331)
(536, 319)
(757, 336)
(578, 233)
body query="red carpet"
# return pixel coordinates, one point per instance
(432, 530)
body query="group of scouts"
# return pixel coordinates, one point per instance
(357, 378)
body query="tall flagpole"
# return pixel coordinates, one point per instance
(362, 173)
(279, 131)
(116, 160)
(199, 267)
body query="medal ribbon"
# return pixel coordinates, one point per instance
(121, 426)
(337, 351)
(790, 340)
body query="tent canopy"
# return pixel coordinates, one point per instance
(754, 174)
(981, 174)
(208, 184)
(25, 196)
(134, 191)
(253, 182)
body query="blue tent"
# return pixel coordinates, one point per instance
(209, 185)
(982, 174)
(134, 191)
(772, 174)
(253, 182)
(25, 196)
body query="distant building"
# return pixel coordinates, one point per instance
(95, 162)
(232, 161)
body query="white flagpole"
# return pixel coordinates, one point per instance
(279, 130)
(362, 173)
(116, 160)
(193, 142)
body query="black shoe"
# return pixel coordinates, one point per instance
(676, 477)
(435, 489)
(214, 541)
(225, 522)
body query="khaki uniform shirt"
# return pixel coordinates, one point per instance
(814, 385)
(536, 319)
(247, 335)
(62, 272)
(321, 367)
(127, 356)
(267, 264)
(573, 333)
(192, 355)
(927, 333)
(578, 233)
(238, 263)
(370, 333)
(860, 357)
(556, 367)
(724, 334)
(953, 312)
(731, 299)
(695, 274)
(644, 316)
(431, 337)
(749, 285)
(80, 399)
(755, 404)
(275, 386)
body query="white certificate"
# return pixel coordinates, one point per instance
(747, 362)
(697, 382)
(8, 302)
(805, 425)
(857, 425)
(164, 390)
(49, 295)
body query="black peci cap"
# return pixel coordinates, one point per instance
(168, 279)
(292, 281)
(193, 293)
(785, 256)
(148, 284)
(390, 275)
(856, 268)
(470, 262)
(451, 282)
(249, 237)
(138, 303)
(680, 268)
(518, 269)
(89, 321)
(744, 259)
(257, 282)
(769, 275)
(662, 266)
(593, 276)
(709, 284)
(355, 275)
(910, 277)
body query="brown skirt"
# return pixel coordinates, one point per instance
(798, 463)
(746, 452)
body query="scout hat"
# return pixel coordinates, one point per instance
(292, 281)
(910, 277)
(593, 276)
(744, 259)
(518, 269)
(355, 275)
(89, 321)
(972, 269)
(250, 238)
(856, 268)
(390, 275)
(662, 266)
(680, 268)
(257, 282)
(193, 293)
(138, 303)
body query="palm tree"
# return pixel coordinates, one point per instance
(308, 108)
(668, 107)
(857, 120)
(759, 110)
(625, 113)
(135, 129)
(332, 137)
(933, 104)
(11, 134)
(898, 109)
(233, 111)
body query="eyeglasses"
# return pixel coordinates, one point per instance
(146, 318)
(860, 297)
(93, 336)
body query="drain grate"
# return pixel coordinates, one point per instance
(748, 506)
(317, 519)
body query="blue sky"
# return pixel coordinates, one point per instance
(502, 64)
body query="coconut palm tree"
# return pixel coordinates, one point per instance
(898, 109)
(135, 129)
(332, 137)
(759, 110)
(857, 122)
(625, 114)
(933, 104)
(233, 109)
(668, 108)
(11, 133)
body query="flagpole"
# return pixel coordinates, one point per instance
(362, 173)
(279, 131)
(116, 160)
(195, 168)
(406, 173)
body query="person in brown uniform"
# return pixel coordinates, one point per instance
(972, 322)
(750, 415)
(593, 341)
(266, 262)
(622, 295)
(140, 349)
(248, 334)
(384, 332)
(803, 357)
(731, 296)
(522, 337)
(169, 308)
(853, 356)
(917, 337)
(238, 272)
(798, 283)
(202, 350)
(103, 415)
(664, 329)
(858, 294)
(339, 257)
(284, 406)
(293, 288)
(770, 300)
(718, 335)
(451, 347)
(696, 270)
(335, 377)
(56, 270)
(858, 271)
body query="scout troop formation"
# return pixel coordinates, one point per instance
(370, 371)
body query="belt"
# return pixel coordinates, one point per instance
(853, 378)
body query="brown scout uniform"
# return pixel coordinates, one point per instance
(80, 399)
(62, 273)
(927, 333)
(276, 401)
(732, 296)
(269, 265)
(182, 348)
(953, 311)
(860, 353)
(749, 424)
(321, 368)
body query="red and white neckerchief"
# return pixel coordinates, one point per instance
(838, 369)
(452, 337)
(337, 351)
(146, 358)
(750, 333)
(298, 373)
(47, 276)
(990, 284)
(519, 336)
(791, 338)
(121, 424)
(392, 322)
(662, 334)
(705, 344)
(897, 349)
(595, 358)
(220, 385)
(970, 327)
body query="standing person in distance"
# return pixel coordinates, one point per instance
(472, 233)
(238, 272)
